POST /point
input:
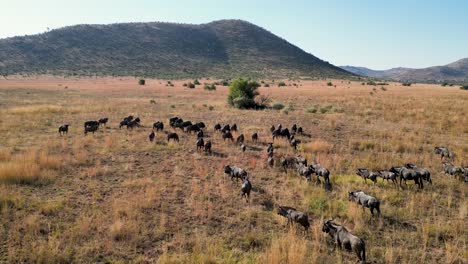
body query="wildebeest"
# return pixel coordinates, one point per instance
(103, 121)
(91, 123)
(299, 131)
(366, 174)
(240, 139)
(270, 154)
(408, 174)
(388, 175)
(226, 128)
(272, 128)
(304, 171)
(246, 188)
(444, 153)
(235, 172)
(294, 216)
(301, 160)
(173, 121)
(63, 129)
(270, 161)
(151, 136)
(208, 146)
(200, 134)
(294, 142)
(217, 127)
(200, 144)
(200, 124)
(243, 148)
(321, 172)
(234, 127)
(281, 133)
(294, 128)
(287, 163)
(270, 147)
(254, 137)
(227, 135)
(159, 126)
(344, 239)
(172, 136)
(133, 123)
(365, 200)
(425, 173)
(451, 169)
(185, 124)
(192, 128)
(91, 128)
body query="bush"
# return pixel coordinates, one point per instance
(329, 84)
(464, 87)
(371, 83)
(266, 85)
(225, 83)
(184, 85)
(242, 93)
(191, 85)
(196, 82)
(312, 109)
(277, 106)
(280, 84)
(406, 84)
(209, 87)
(142, 82)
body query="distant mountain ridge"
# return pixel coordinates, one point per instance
(225, 48)
(456, 72)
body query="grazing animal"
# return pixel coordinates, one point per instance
(172, 136)
(270, 161)
(299, 131)
(200, 144)
(133, 123)
(444, 152)
(272, 128)
(173, 121)
(270, 147)
(226, 128)
(245, 189)
(388, 175)
(200, 134)
(287, 163)
(465, 173)
(281, 133)
(217, 127)
(294, 142)
(234, 128)
(451, 169)
(254, 137)
(304, 171)
(294, 216)
(270, 154)
(63, 129)
(235, 172)
(91, 123)
(103, 121)
(91, 128)
(294, 128)
(240, 139)
(208, 146)
(192, 128)
(321, 172)
(365, 200)
(159, 126)
(200, 124)
(425, 173)
(151, 136)
(243, 148)
(301, 160)
(344, 239)
(366, 174)
(227, 135)
(408, 174)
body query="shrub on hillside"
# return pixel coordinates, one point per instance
(191, 85)
(277, 106)
(280, 84)
(209, 87)
(196, 82)
(242, 93)
(329, 84)
(266, 85)
(464, 87)
(406, 84)
(142, 82)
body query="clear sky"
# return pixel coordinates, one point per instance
(379, 34)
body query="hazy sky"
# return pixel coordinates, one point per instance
(371, 33)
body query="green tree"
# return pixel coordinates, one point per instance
(242, 93)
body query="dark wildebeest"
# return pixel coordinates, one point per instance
(270, 147)
(172, 136)
(245, 189)
(465, 173)
(200, 144)
(63, 129)
(254, 137)
(299, 131)
(133, 123)
(175, 120)
(451, 169)
(208, 146)
(159, 126)
(321, 172)
(344, 239)
(270, 154)
(235, 172)
(365, 200)
(366, 174)
(388, 175)
(243, 148)
(217, 127)
(287, 163)
(234, 127)
(91, 123)
(301, 160)
(103, 121)
(226, 128)
(408, 174)
(272, 128)
(294, 216)
(270, 161)
(304, 171)
(240, 139)
(294, 128)
(200, 124)
(444, 152)
(200, 134)
(151, 136)
(425, 173)
(185, 124)
(294, 142)
(228, 135)
(281, 133)
(192, 128)
(91, 128)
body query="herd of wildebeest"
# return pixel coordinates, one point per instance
(341, 236)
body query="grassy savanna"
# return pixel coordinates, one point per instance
(115, 197)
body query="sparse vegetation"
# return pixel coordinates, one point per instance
(329, 84)
(281, 84)
(277, 106)
(141, 82)
(464, 87)
(406, 84)
(209, 87)
(242, 93)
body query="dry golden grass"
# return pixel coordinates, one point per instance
(114, 197)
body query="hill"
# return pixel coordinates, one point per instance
(456, 72)
(222, 48)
